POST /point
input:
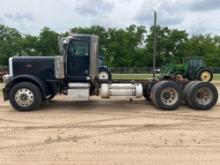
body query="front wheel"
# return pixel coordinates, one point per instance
(25, 96)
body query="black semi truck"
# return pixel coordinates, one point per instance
(33, 80)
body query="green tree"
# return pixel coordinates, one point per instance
(207, 47)
(10, 43)
(170, 44)
(123, 45)
(48, 42)
(30, 45)
(128, 47)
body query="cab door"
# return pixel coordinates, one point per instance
(78, 60)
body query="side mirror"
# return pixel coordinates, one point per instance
(61, 44)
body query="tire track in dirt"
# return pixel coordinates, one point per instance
(128, 115)
(128, 129)
(16, 121)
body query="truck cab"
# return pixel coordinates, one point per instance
(80, 55)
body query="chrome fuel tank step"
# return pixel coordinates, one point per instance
(78, 91)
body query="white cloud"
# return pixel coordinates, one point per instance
(93, 7)
(204, 5)
(19, 16)
(30, 16)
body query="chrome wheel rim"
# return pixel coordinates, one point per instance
(169, 96)
(24, 97)
(204, 96)
(103, 76)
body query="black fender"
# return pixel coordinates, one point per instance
(25, 78)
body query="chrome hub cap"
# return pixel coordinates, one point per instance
(204, 96)
(103, 76)
(24, 97)
(169, 96)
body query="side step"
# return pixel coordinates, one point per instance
(79, 91)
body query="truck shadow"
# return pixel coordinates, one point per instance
(108, 106)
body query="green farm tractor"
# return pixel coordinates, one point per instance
(193, 68)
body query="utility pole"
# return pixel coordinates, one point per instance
(155, 45)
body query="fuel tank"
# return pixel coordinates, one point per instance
(128, 90)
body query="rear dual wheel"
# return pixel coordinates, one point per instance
(167, 95)
(200, 95)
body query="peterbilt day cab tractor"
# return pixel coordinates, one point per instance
(193, 68)
(33, 80)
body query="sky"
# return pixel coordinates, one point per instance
(30, 16)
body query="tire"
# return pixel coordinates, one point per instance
(205, 75)
(28, 91)
(147, 95)
(166, 95)
(202, 96)
(186, 90)
(104, 76)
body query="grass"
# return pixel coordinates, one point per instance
(145, 77)
(131, 76)
(217, 77)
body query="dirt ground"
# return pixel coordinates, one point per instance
(109, 132)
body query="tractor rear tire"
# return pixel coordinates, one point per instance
(167, 95)
(205, 75)
(202, 96)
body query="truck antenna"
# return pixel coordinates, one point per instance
(155, 45)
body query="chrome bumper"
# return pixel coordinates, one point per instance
(7, 78)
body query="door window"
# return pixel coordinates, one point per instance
(78, 60)
(79, 48)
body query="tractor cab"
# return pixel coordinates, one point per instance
(194, 62)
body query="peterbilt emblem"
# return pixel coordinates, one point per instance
(29, 66)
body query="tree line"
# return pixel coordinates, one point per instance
(128, 47)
